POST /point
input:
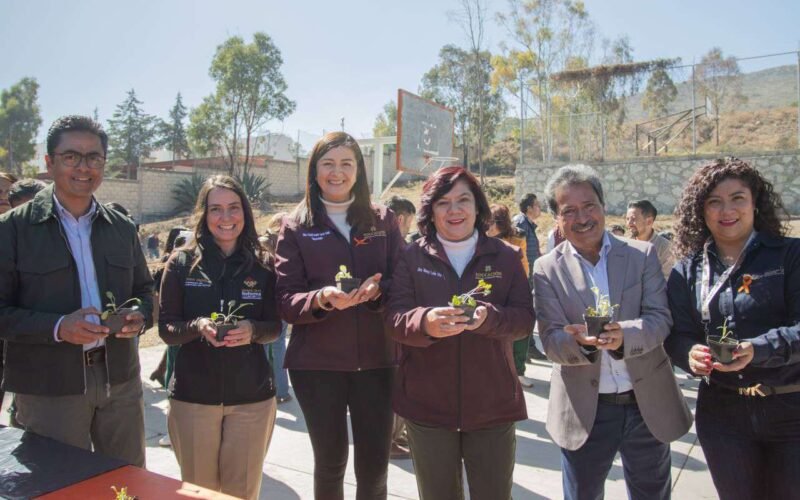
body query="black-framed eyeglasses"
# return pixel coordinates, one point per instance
(72, 159)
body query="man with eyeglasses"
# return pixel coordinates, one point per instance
(611, 391)
(63, 254)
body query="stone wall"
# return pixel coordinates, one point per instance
(661, 180)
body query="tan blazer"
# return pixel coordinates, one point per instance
(561, 294)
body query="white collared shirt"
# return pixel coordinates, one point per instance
(614, 376)
(79, 234)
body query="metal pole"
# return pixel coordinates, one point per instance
(521, 121)
(694, 124)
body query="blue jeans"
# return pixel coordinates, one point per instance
(645, 459)
(275, 353)
(751, 444)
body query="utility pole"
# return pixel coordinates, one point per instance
(694, 114)
(521, 121)
(342, 124)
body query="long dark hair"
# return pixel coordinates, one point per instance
(691, 231)
(438, 185)
(502, 219)
(247, 242)
(309, 212)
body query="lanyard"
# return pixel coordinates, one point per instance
(707, 295)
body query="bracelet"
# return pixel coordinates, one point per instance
(321, 304)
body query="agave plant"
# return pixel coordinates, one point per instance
(255, 187)
(185, 193)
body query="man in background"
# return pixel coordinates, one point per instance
(640, 219)
(525, 221)
(23, 191)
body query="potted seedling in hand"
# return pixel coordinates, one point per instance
(113, 316)
(597, 317)
(722, 346)
(466, 301)
(225, 322)
(345, 282)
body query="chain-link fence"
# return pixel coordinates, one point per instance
(724, 105)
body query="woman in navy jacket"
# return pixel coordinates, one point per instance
(740, 271)
(339, 357)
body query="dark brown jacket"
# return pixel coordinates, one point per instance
(307, 259)
(468, 381)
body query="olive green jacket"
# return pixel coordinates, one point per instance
(39, 284)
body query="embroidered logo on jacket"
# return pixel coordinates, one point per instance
(430, 272)
(197, 283)
(251, 292)
(488, 274)
(366, 237)
(319, 236)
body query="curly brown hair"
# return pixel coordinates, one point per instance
(691, 231)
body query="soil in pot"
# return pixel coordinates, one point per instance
(347, 285)
(469, 311)
(223, 330)
(115, 321)
(595, 324)
(722, 349)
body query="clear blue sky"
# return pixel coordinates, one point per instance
(342, 59)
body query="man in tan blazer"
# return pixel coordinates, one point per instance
(613, 392)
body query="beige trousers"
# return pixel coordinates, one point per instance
(222, 448)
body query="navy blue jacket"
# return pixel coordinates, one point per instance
(768, 316)
(528, 228)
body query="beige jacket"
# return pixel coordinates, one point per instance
(561, 294)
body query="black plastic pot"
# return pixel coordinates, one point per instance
(595, 324)
(115, 321)
(223, 330)
(722, 349)
(347, 285)
(469, 311)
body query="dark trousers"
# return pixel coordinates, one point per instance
(645, 459)
(486, 454)
(325, 397)
(751, 444)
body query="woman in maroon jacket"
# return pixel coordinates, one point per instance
(457, 386)
(339, 356)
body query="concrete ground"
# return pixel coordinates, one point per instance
(288, 469)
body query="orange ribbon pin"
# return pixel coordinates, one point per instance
(746, 281)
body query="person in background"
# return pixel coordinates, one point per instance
(640, 218)
(525, 222)
(339, 356)
(501, 227)
(276, 351)
(222, 402)
(62, 253)
(6, 180)
(613, 391)
(554, 238)
(23, 191)
(456, 385)
(406, 213)
(152, 245)
(739, 271)
(617, 230)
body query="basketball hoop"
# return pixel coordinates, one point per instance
(437, 162)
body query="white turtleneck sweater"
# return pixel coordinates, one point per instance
(460, 252)
(338, 214)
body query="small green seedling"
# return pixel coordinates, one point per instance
(603, 307)
(230, 317)
(342, 274)
(113, 308)
(468, 299)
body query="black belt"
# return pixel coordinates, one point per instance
(758, 389)
(619, 398)
(96, 355)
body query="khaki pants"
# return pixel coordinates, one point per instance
(113, 424)
(222, 447)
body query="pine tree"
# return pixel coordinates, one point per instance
(131, 134)
(172, 134)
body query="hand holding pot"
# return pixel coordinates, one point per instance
(208, 331)
(370, 289)
(338, 299)
(700, 360)
(611, 338)
(441, 322)
(76, 330)
(742, 357)
(578, 332)
(134, 322)
(481, 313)
(241, 335)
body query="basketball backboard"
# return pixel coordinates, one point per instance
(424, 134)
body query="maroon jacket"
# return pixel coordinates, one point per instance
(307, 259)
(468, 381)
